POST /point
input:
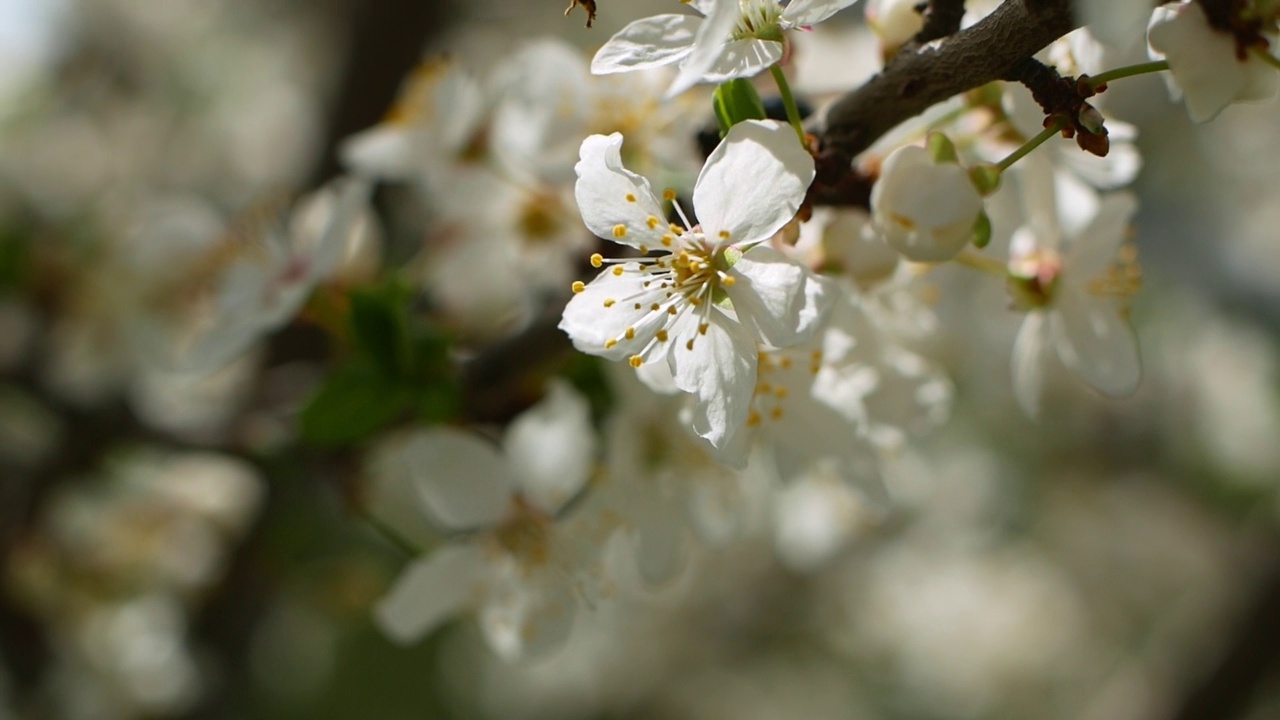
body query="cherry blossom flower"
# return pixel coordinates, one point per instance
(738, 38)
(1077, 298)
(1204, 64)
(924, 209)
(271, 275)
(518, 565)
(712, 291)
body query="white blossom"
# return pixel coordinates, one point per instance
(1204, 64)
(924, 209)
(518, 565)
(1076, 300)
(738, 38)
(712, 291)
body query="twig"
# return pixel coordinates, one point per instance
(917, 79)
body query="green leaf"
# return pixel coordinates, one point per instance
(379, 328)
(735, 101)
(355, 401)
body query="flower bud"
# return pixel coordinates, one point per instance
(925, 210)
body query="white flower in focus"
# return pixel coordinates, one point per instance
(1077, 301)
(925, 210)
(519, 566)
(738, 38)
(713, 291)
(1204, 62)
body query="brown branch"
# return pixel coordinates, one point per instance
(941, 19)
(918, 78)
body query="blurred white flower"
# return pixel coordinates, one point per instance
(1205, 63)
(1077, 298)
(518, 565)
(895, 21)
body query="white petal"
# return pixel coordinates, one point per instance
(461, 479)
(753, 182)
(648, 42)
(552, 447)
(611, 197)
(703, 6)
(1202, 60)
(742, 58)
(1094, 251)
(720, 370)
(1096, 343)
(387, 152)
(1117, 23)
(334, 210)
(804, 13)
(530, 617)
(606, 309)
(708, 43)
(775, 298)
(1029, 355)
(429, 591)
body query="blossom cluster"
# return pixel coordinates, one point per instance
(740, 339)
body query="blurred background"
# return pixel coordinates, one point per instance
(170, 549)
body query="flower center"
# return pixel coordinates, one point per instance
(759, 19)
(1033, 278)
(525, 534)
(1122, 280)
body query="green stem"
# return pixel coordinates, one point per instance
(1266, 57)
(789, 102)
(1030, 145)
(990, 266)
(1101, 79)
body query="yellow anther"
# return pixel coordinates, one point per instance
(689, 345)
(609, 302)
(781, 393)
(631, 198)
(671, 310)
(724, 234)
(636, 361)
(669, 194)
(597, 260)
(637, 306)
(644, 249)
(667, 240)
(662, 336)
(675, 228)
(610, 344)
(630, 333)
(753, 419)
(653, 222)
(617, 270)
(776, 413)
(817, 355)
(785, 363)
(579, 286)
(727, 281)
(619, 231)
(702, 329)
(655, 307)
(764, 387)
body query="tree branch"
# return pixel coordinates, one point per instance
(918, 78)
(941, 19)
